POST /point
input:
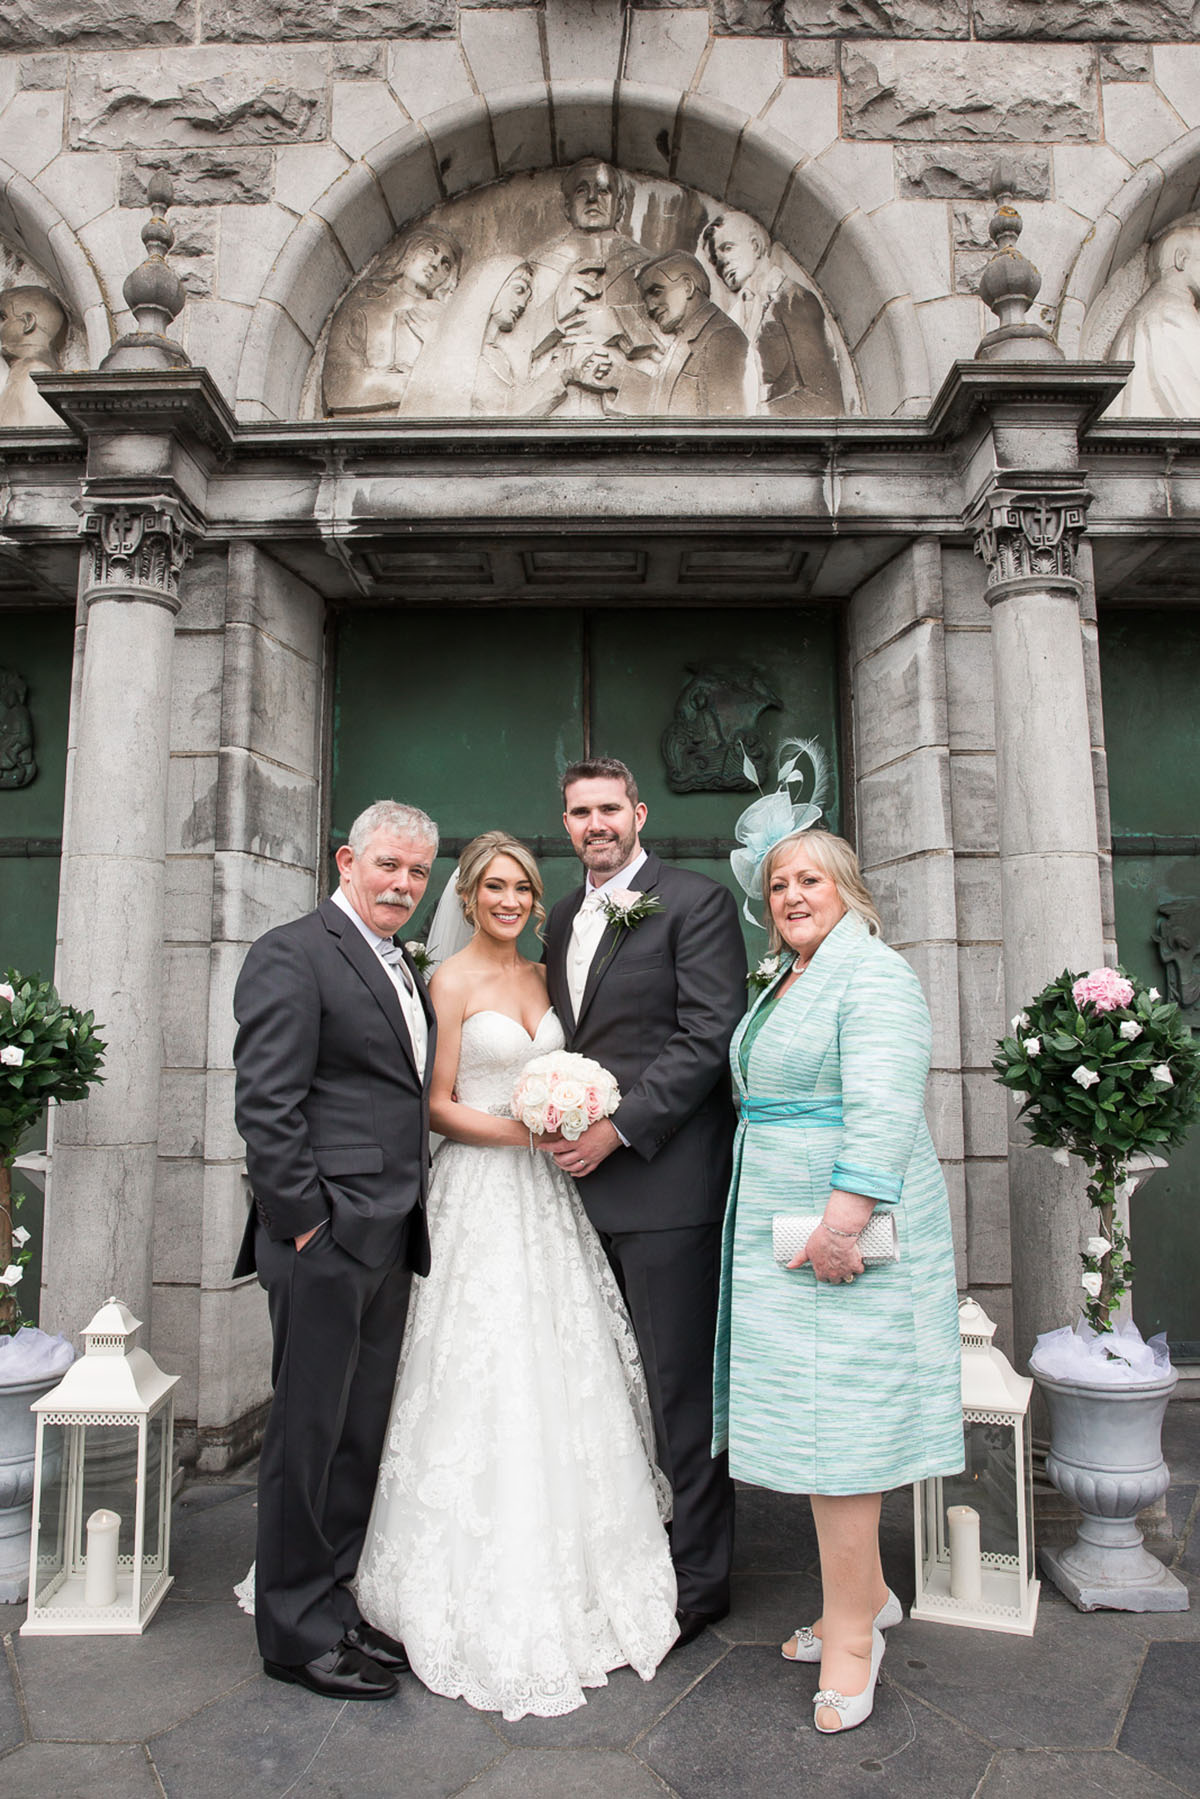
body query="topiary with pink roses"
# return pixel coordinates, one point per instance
(1106, 1070)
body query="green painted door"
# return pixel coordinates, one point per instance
(35, 694)
(1150, 670)
(474, 714)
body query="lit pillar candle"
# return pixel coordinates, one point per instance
(966, 1569)
(100, 1581)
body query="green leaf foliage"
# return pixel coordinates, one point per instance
(61, 1056)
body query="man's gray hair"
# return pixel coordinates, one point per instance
(400, 820)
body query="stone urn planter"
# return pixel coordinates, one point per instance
(18, 1434)
(1106, 1456)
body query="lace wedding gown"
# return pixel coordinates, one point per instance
(516, 1544)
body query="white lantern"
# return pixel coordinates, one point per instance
(974, 1530)
(102, 1488)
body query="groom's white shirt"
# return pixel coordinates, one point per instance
(410, 1005)
(589, 928)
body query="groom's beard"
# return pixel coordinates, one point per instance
(606, 853)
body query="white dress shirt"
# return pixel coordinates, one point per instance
(589, 927)
(410, 1005)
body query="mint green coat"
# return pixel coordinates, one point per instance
(851, 1388)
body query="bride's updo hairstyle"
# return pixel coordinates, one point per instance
(478, 857)
(835, 858)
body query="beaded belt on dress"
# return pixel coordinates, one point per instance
(791, 1111)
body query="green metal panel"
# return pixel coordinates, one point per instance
(37, 645)
(1150, 669)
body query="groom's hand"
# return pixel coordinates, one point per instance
(586, 1154)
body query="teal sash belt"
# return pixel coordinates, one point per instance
(804, 1112)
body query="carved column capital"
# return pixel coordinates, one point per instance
(137, 548)
(1029, 538)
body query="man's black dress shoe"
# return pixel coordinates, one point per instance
(341, 1673)
(692, 1623)
(379, 1646)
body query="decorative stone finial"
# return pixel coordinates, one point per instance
(1010, 283)
(153, 292)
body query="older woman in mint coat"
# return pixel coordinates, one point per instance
(835, 1379)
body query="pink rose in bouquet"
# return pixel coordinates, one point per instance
(1104, 989)
(564, 1092)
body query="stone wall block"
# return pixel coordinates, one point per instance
(407, 172)
(358, 59)
(181, 1112)
(920, 231)
(178, 1220)
(81, 186)
(309, 277)
(743, 72)
(235, 1364)
(905, 808)
(1043, 887)
(503, 48)
(894, 385)
(44, 71)
(521, 127)
(985, 1114)
(900, 697)
(251, 240)
(272, 366)
(916, 899)
(969, 690)
(223, 1143)
(184, 1005)
(272, 700)
(266, 810)
(1138, 122)
(226, 1202)
(982, 1018)
(462, 142)
(1159, 21)
(988, 1257)
(427, 77)
(943, 1113)
(761, 18)
(198, 97)
(977, 897)
(1008, 93)
(191, 803)
(282, 21)
(188, 899)
(1140, 197)
(952, 328)
(865, 170)
(961, 171)
(1125, 62)
(963, 584)
(221, 1026)
(583, 119)
(213, 332)
(31, 130)
(199, 177)
(303, 172)
(707, 133)
(196, 691)
(176, 1322)
(583, 40)
(956, 1200)
(1177, 77)
(760, 175)
(877, 18)
(355, 210)
(665, 47)
(934, 966)
(250, 896)
(806, 114)
(646, 126)
(262, 593)
(813, 208)
(97, 24)
(908, 589)
(973, 793)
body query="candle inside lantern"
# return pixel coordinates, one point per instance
(966, 1569)
(100, 1581)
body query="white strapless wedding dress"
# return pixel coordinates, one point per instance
(516, 1544)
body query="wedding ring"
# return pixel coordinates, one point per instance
(849, 1278)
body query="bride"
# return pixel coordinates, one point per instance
(516, 1545)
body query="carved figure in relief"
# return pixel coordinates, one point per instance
(797, 372)
(703, 371)
(715, 728)
(1177, 934)
(1161, 332)
(17, 764)
(388, 325)
(33, 330)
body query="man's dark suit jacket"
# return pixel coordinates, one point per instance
(658, 1010)
(334, 1116)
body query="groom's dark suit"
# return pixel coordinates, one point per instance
(658, 1010)
(335, 1120)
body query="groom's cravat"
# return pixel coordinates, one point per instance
(392, 957)
(586, 933)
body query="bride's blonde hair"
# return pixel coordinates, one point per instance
(474, 863)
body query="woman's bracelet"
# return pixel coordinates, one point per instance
(851, 1236)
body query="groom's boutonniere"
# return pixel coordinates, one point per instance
(625, 907)
(760, 978)
(420, 956)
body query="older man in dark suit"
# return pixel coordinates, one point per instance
(656, 1003)
(703, 372)
(333, 1054)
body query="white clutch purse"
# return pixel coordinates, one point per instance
(877, 1240)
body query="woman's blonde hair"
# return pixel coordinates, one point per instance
(835, 858)
(478, 857)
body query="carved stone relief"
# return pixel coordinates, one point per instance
(584, 293)
(714, 730)
(1177, 934)
(36, 332)
(18, 765)
(136, 551)
(1148, 315)
(1028, 536)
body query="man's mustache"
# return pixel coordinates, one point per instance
(396, 899)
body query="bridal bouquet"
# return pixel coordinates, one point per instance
(565, 1093)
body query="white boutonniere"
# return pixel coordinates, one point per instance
(625, 907)
(420, 955)
(760, 978)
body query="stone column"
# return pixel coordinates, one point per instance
(1028, 534)
(100, 1201)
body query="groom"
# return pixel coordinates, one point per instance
(334, 1053)
(656, 1003)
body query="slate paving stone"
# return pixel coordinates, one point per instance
(12, 1730)
(79, 1771)
(269, 1739)
(614, 1715)
(1078, 1774)
(1067, 1685)
(768, 1607)
(1160, 1728)
(772, 1532)
(567, 1774)
(747, 1729)
(1181, 1440)
(124, 1689)
(212, 1544)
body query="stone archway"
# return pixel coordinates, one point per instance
(649, 130)
(38, 230)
